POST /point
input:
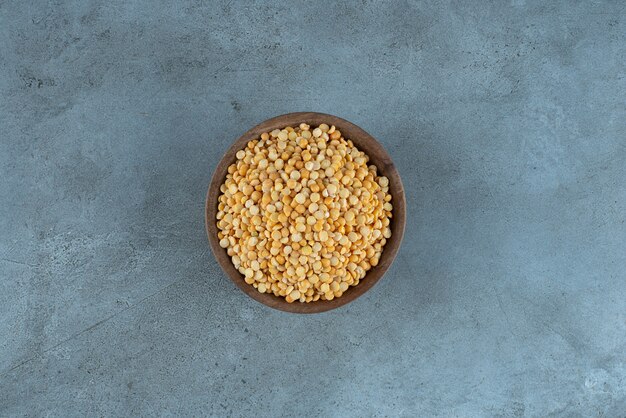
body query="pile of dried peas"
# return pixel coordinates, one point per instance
(302, 215)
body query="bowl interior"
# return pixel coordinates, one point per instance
(378, 156)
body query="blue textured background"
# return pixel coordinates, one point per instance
(507, 121)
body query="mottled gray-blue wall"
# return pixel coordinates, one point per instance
(507, 121)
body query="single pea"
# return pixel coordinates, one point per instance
(300, 198)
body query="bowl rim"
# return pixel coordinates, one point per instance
(364, 142)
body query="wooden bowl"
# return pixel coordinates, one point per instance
(378, 156)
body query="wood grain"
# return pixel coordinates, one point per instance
(378, 156)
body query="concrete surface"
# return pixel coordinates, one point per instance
(507, 121)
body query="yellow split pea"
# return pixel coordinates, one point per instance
(302, 215)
